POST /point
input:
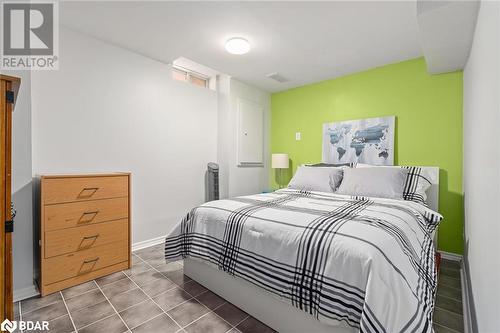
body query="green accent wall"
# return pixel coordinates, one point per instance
(428, 110)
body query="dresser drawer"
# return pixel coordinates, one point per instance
(84, 262)
(81, 238)
(60, 190)
(75, 214)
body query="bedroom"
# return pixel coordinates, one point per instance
(139, 113)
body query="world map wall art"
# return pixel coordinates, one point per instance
(369, 141)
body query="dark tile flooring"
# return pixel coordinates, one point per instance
(448, 313)
(150, 297)
(154, 296)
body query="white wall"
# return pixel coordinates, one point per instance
(108, 109)
(224, 132)
(482, 168)
(237, 180)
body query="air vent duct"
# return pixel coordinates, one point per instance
(277, 77)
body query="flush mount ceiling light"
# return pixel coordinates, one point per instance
(237, 45)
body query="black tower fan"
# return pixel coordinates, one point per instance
(213, 181)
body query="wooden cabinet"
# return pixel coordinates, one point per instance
(84, 228)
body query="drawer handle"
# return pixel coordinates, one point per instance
(89, 261)
(85, 192)
(82, 245)
(86, 262)
(83, 220)
(91, 237)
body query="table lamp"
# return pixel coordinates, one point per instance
(280, 161)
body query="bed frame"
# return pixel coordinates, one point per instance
(278, 315)
(433, 194)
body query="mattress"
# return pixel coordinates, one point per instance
(365, 262)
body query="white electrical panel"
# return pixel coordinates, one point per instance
(250, 133)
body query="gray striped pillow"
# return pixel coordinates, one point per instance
(417, 182)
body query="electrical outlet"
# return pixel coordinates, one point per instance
(297, 136)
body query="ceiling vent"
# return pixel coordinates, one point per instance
(277, 77)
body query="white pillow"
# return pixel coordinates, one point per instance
(377, 182)
(316, 179)
(417, 182)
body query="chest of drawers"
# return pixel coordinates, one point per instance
(84, 228)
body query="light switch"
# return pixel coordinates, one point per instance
(297, 136)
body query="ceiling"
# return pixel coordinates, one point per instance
(303, 41)
(446, 33)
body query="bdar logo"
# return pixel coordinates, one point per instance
(8, 325)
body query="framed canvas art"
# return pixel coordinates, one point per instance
(369, 141)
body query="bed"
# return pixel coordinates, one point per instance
(316, 262)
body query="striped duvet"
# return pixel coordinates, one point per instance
(366, 263)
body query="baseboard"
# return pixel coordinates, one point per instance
(24, 293)
(148, 243)
(451, 256)
(466, 301)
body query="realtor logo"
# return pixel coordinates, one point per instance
(8, 325)
(29, 35)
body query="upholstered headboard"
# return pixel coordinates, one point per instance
(433, 194)
(433, 191)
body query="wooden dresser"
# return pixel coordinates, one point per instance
(84, 228)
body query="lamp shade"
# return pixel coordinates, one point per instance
(280, 161)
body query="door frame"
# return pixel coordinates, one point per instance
(7, 83)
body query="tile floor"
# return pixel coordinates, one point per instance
(154, 296)
(150, 297)
(448, 313)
